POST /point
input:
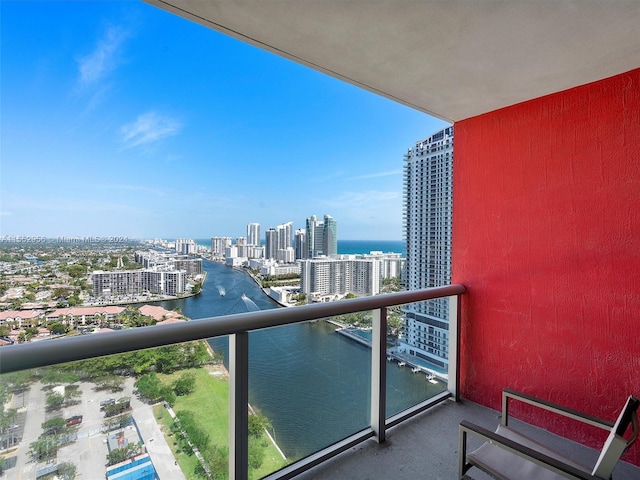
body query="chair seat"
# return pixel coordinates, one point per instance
(505, 465)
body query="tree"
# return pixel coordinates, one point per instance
(7, 418)
(118, 455)
(57, 328)
(60, 292)
(109, 382)
(72, 392)
(393, 284)
(44, 448)
(54, 425)
(19, 381)
(185, 422)
(256, 453)
(54, 400)
(258, 423)
(184, 385)
(149, 386)
(66, 471)
(350, 295)
(74, 300)
(55, 375)
(31, 332)
(118, 422)
(218, 460)
(395, 323)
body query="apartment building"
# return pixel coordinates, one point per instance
(253, 234)
(339, 276)
(278, 243)
(428, 175)
(218, 245)
(185, 246)
(133, 282)
(151, 259)
(300, 244)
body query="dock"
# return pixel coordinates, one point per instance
(348, 332)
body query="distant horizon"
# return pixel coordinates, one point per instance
(35, 239)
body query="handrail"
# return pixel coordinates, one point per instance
(39, 354)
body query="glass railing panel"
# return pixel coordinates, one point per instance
(115, 414)
(311, 384)
(417, 346)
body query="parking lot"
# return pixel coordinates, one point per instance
(89, 451)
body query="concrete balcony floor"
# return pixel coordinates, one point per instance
(427, 447)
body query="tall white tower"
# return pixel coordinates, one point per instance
(428, 176)
(253, 234)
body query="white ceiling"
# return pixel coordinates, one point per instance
(450, 58)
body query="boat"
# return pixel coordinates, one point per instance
(415, 369)
(432, 378)
(401, 364)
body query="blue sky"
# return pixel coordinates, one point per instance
(119, 119)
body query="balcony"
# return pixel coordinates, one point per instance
(420, 440)
(373, 412)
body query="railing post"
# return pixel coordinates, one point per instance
(379, 373)
(239, 406)
(454, 347)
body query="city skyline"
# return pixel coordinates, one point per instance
(110, 129)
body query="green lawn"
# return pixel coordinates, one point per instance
(210, 405)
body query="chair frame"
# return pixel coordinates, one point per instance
(550, 463)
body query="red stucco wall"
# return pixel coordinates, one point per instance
(546, 236)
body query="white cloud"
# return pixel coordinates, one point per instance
(148, 128)
(104, 58)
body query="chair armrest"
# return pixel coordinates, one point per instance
(518, 449)
(552, 407)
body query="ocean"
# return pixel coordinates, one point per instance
(347, 247)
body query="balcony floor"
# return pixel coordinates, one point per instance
(427, 447)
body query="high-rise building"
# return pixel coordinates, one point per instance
(253, 234)
(277, 239)
(186, 246)
(151, 259)
(219, 245)
(330, 236)
(342, 274)
(285, 235)
(428, 174)
(314, 237)
(322, 236)
(339, 276)
(301, 248)
(270, 243)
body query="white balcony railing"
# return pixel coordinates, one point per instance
(39, 354)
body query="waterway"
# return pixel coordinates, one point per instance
(312, 383)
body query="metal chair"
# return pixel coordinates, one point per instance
(509, 455)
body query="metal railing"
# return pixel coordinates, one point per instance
(39, 354)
